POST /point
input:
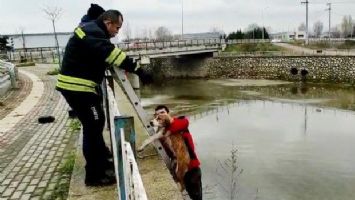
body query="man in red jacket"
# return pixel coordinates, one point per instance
(179, 125)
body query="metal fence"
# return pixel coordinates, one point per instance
(39, 55)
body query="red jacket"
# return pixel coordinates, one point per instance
(180, 126)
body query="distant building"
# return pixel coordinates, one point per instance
(34, 40)
(287, 36)
(206, 35)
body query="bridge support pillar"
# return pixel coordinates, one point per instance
(144, 60)
(134, 80)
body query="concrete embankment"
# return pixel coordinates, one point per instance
(289, 68)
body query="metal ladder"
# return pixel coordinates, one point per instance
(128, 89)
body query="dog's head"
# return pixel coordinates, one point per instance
(160, 121)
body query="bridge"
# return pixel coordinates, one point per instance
(148, 50)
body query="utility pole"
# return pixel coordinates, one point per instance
(182, 19)
(306, 2)
(329, 9)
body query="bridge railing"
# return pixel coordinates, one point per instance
(129, 181)
(150, 45)
(8, 71)
(49, 54)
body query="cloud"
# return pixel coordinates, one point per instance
(199, 15)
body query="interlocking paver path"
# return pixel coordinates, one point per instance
(31, 154)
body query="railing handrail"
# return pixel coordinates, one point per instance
(11, 69)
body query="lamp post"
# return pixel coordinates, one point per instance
(182, 19)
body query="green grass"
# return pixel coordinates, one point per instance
(74, 126)
(25, 64)
(252, 47)
(349, 44)
(66, 168)
(62, 187)
(55, 71)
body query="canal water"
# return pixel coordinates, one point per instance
(267, 140)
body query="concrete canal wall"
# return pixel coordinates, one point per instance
(291, 68)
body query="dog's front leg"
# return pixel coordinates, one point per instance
(151, 139)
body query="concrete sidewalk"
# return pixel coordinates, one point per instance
(31, 153)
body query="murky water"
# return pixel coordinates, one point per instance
(291, 141)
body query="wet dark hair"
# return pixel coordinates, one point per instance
(162, 107)
(112, 15)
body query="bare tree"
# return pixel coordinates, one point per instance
(54, 14)
(335, 32)
(144, 34)
(127, 32)
(163, 34)
(318, 28)
(150, 34)
(346, 26)
(220, 32)
(302, 27)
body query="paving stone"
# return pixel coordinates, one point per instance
(31, 173)
(35, 197)
(16, 169)
(16, 195)
(8, 192)
(27, 179)
(25, 197)
(6, 182)
(18, 177)
(43, 184)
(28, 164)
(2, 189)
(22, 186)
(14, 184)
(30, 189)
(34, 181)
(11, 175)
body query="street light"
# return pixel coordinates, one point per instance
(182, 19)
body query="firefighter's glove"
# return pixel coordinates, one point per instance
(144, 76)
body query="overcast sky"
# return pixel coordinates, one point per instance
(199, 15)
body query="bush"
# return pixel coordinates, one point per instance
(55, 71)
(348, 44)
(26, 64)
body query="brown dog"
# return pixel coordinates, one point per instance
(175, 144)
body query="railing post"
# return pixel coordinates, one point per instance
(127, 123)
(121, 159)
(42, 55)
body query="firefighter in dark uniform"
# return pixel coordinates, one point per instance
(88, 54)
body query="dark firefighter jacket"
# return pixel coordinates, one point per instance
(88, 54)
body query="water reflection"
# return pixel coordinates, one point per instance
(287, 151)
